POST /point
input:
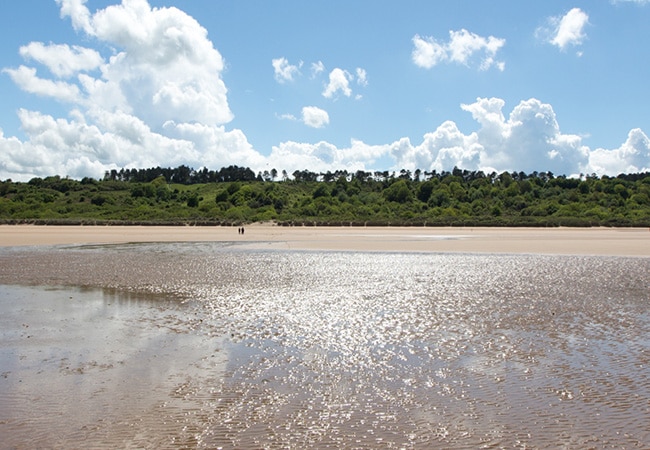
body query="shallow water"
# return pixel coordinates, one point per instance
(213, 345)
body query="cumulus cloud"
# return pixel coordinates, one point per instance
(565, 31)
(158, 98)
(63, 60)
(442, 149)
(323, 156)
(528, 140)
(79, 14)
(339, 80)
(166, 66)
(463, 48)
(285, 72)
(315, 117)
(631, 157)
(131, 109)
(77, 148)
(27, 80)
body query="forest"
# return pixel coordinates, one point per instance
(236, 195)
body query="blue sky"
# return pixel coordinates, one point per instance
(89, 85)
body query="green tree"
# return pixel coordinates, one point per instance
(425, 190)
(321, 191)
(398, 192)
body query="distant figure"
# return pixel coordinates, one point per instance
(242, 230)
(238, 230)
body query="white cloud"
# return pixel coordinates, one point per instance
(214, 147)
(631, 157)
(317, 68)
(293, 156)
(165, 66)
(27, 80)
(443, 149)
(323, 156)
(284, 72)
(566, 30)
(163, 70)
(463, 47)
(62, 60)
(362, 77)
(427, 52)
(315, 117)
(571, 29)
(339, 80)
(528, 140)
(159, 99)
(286, 116)
(78, 13)
(114, 140)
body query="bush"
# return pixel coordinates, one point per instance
(98, 200)
(222, 196)
(193, 201)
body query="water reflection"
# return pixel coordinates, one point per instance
(318, 349)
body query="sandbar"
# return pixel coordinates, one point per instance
(561, 241)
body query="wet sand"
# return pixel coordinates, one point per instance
(558, 241)
(80, 368)
(209, 343)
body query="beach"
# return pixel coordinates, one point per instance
(306, 337)
(558, 241)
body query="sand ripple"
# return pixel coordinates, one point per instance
(212, 345)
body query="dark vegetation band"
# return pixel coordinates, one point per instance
(235, 195)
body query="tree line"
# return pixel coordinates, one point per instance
(182, 175)
(188, 175)
(237, 195)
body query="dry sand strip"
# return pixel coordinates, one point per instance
(567, 241)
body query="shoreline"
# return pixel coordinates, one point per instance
(561, 241)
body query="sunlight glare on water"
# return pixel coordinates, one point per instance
(345, 349)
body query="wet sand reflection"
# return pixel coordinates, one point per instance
(206, 345)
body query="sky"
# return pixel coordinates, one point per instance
(88, 86)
